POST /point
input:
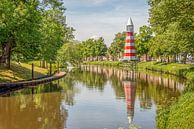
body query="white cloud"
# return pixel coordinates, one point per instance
(105, 24)
(93, 2)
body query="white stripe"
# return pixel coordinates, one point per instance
(129, 38)
(129, 44)
(130, 51)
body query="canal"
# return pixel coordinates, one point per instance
(91, 97)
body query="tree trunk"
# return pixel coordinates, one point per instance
(6, 54)
(46, 64)
(8, 65)
(174, 58)
(43, 64)
(168, 59)
(146, 57)
(40, 64)
(184, 58)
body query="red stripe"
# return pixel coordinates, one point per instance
(129, 47)
(130, 107)
(129, 41)
(129, 34)
(130, 54)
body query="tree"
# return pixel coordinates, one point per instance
(142, 40)
(100, 47)
(19, 28)
(117, 46)
(173, 24)
(87, 48)
(69, 52)
(93, 48)
(55, 31)
(32, 29)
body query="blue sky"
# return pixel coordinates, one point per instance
(104, 17)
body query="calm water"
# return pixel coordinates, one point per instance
(90, 98)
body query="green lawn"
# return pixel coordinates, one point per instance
(19, 72)
(182, 70)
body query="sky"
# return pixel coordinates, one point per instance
(104, 18)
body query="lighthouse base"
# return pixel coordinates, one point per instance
(130, 58)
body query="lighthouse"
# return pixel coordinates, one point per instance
(130, 51)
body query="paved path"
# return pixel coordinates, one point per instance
(8, 87)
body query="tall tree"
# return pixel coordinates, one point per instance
(69, 52)
(173, 25)
(32, 29)
(142, 40)
(93, 48)
(19, 28)
(55, 31)
(117, 47)
(100, 47)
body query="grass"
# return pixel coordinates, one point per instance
(179, 115)
(181, 70)
(19, 72)
(106, 63)
(37, 64)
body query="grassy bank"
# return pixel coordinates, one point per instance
(181, 70)
(178, 115)
(47, 65)
(19, 72)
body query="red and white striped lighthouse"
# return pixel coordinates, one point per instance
(130, 51)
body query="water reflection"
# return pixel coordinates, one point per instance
(90, 98)
(41, 107)
(40, 111)
(130, 90)
(149, 89)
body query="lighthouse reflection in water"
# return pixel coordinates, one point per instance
(129, 86)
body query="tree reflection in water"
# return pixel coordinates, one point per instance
(148, 88)
(47, 107)
(42, 110)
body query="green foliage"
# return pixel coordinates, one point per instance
(142, 40)
(182, 70)
(190, 85)
(93, 48)
(20, 72)
(19, 27)
(179, 115)
(173, 26)
(54, 33)
(117, 47)
(32, 29)
(69, 52)
(105, 63)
